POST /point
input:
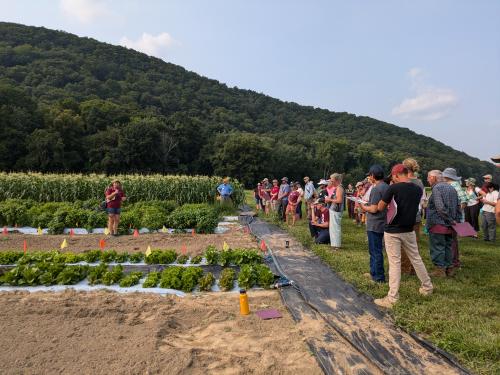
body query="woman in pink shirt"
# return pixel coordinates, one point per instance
(114, 198)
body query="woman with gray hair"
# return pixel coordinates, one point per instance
(336, 201)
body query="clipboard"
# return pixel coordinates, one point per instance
(464, 229)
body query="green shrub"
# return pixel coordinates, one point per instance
(129, 219)
(113, 276)
(151, 280)
(15, 212)
(10, 257)
(182, 259)
(247, 276)
(212, 255)
(196, 259)
(206, 282)
(131, 279)
(202, 217)
(96, 219)
(246, 256)
(265, 278)
(171, 277)
(96, 273)
(136, 257)
(190, 278)
(92, 256)
(161, 257)
(153, 218)
(226, 281)
(40, 215)
(72, 274)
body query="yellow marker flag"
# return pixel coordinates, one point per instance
(39, 230)
(64, 244)
(164, 229)
(148, 251)
(106, 231)
(225, 246)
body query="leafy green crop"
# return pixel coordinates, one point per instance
(207, 281)
(226, 258)
(182, 259)
(96, 273)
(10, 257)
(136, 257)
(212, 255)
(70, 257)
(265, 277)
(121, 257)
(131, 279)
(247, 276)
(196, 259)
(171, 277)
(92, 256)
(226, 281)
(108, 256)
(71, 275)
(246, 256)
(113, 276)
(151, 280)
(161, 257)
(190, 278)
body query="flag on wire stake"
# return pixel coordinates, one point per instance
(5, 231)
(25, 246)
(71, 232)
(39, 231)
(64, 244)
(263, 246)
(148, 251)
(106, 231)
(225, 246)
(102, 244)
(164, 229)
(136, 233)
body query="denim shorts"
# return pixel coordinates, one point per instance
(113, 211)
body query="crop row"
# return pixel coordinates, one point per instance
(84, 214)
(213, 256)
(72, 187)
(181, 278)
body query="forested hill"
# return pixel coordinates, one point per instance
(75, 104)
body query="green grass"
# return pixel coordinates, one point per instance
(461, 317)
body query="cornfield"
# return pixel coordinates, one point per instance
(72, 187)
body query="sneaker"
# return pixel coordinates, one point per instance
(424, 292)
(384, 302)
(438, 272)
(450, 272)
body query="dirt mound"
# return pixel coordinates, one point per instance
(109, 333)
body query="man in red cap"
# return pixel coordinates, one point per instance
(401, 200)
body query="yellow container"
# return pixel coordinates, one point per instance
(244, 308)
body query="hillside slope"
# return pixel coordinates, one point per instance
(75, 104)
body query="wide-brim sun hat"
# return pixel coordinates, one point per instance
(451, 173)
(323, 182)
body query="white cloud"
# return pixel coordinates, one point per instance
(429, 103)
(85, 11)
(150, 44)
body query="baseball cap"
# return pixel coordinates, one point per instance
(488, 176)
(376, 170)
(284, 179)
(323, 182)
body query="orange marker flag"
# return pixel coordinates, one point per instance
(193, 232)
(71, 232)
(25, 246)
(183, 249)
(246, 230)
(102, 244)
(263, 246)
(136, 233)
(5, 231)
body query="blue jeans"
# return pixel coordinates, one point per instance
(440, 249)
(376, 256)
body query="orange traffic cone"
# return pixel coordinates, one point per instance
(102, 244)
(263, 246)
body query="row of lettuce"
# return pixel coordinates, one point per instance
(212, 256)
(51, 268)
(74, 187)
(85, 214)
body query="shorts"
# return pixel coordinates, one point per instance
(113, 211)
(291, 208)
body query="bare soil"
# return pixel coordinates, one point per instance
(110, 333)
(194, 245)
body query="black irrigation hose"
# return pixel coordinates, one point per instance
(424, 343)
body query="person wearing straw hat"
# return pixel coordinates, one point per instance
(472, 209)
(450, 176)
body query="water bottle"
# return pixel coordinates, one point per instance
(244, 308)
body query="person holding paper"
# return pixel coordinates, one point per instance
(399, 234)
(488, 219)
(375, 221)
(443, 211)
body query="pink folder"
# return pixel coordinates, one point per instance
(464, 230)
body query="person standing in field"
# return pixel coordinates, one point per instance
(336, 201)
(349, 192)
(375, 221)
(450, 176)
(266, 195)
(294, 200)
(443, 211)
(274, 194)
(488, 219)
(309, 193)
(301, 199)
(403, 197)
(114, 197)
(413, 168)
(283, 194)
(472, 209)
(225, 191)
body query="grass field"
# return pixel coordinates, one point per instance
(463, 314)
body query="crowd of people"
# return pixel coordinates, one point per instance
(392, 208)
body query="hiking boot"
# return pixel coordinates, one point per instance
(438, 272)
(384, 302)
(450, 272)
(424, 292)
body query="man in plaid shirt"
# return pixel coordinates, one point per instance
(443, 211)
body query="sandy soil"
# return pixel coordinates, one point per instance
(235, 238)
(110, 333)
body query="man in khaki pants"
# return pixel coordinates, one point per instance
(401, 200)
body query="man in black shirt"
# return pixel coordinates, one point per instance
(401, 200)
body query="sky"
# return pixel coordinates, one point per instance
(432, 66)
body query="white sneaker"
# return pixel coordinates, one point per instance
(384, 302)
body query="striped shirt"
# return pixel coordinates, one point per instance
(444, 207)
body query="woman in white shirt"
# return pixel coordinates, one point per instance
(472, 209)
(489, 203)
